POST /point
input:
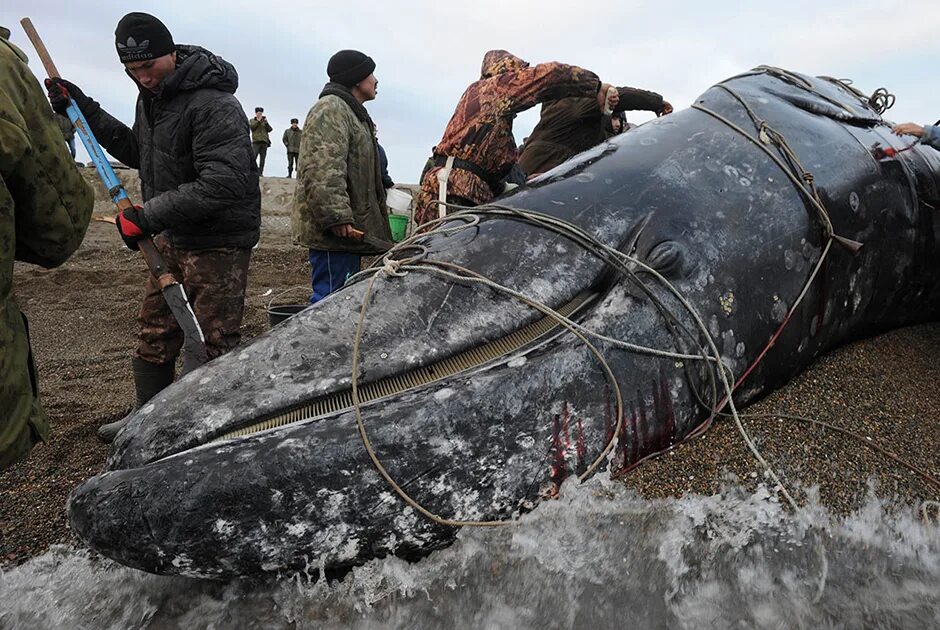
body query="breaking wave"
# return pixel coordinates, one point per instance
(599, 557)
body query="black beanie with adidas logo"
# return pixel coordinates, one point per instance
(140, 36)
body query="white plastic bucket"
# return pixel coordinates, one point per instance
(398, 201)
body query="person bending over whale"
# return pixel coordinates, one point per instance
(571, 125)
(478, 150)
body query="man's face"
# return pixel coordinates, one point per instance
(368, 87)
(616, 124)
(293, 125)
(152, 72)
(259, 115)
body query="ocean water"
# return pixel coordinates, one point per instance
(599, 557)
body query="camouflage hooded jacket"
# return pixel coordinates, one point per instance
(480, 131)
(45, 206)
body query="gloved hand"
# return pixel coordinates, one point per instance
(130, 226)
(665, 109)
(59, 92)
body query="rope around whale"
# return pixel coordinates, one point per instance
(398, 268)
(767, 135)
(394, 268)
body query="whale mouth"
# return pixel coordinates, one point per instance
(518, 342)
(512, 345)
(305, 392)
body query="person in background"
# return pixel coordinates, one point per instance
(383, 162)
(199, 185)
(260, 138)
(340, 197)
(45, 207)
(477, 149)
(928, 134)
(383, 165)
(68, 131)
(291, 140)
(616, 124)
(569, 126)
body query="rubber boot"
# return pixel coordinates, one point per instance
(149, 380)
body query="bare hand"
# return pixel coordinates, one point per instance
(346, 230)
(909, 129)
(666, 108)
(604, 103)
(613, 99)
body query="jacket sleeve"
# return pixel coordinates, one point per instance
(322, 165)
(222, 159)
(633, 99)
(584, 108)
(284, 139)
(52, 202)
(546, 82)
(254, 123)
(117, 138)
(931, 136)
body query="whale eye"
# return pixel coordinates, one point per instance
(666, 258)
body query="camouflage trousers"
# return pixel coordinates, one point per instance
(214, 280)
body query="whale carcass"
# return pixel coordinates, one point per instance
(736, 222)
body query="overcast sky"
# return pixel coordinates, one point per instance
(428, 52)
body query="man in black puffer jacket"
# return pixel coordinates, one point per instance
(199, 185)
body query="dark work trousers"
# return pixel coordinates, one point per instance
(260, 148)
(329, 270)
(291, 162)
(214, 281)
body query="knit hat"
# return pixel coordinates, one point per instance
(349, 67)
(140, 36)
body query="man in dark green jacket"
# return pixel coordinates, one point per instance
(291, 140)
(339, 193)
(45, 206)
(260, 138)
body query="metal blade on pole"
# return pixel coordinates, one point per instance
(194, 342)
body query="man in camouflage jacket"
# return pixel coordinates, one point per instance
(260, 137)
(479, 135)
(339, 190)
(199, 186)
(291, 140)
(45, 206)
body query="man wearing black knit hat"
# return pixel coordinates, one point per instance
(340, 195)
(199, 186)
